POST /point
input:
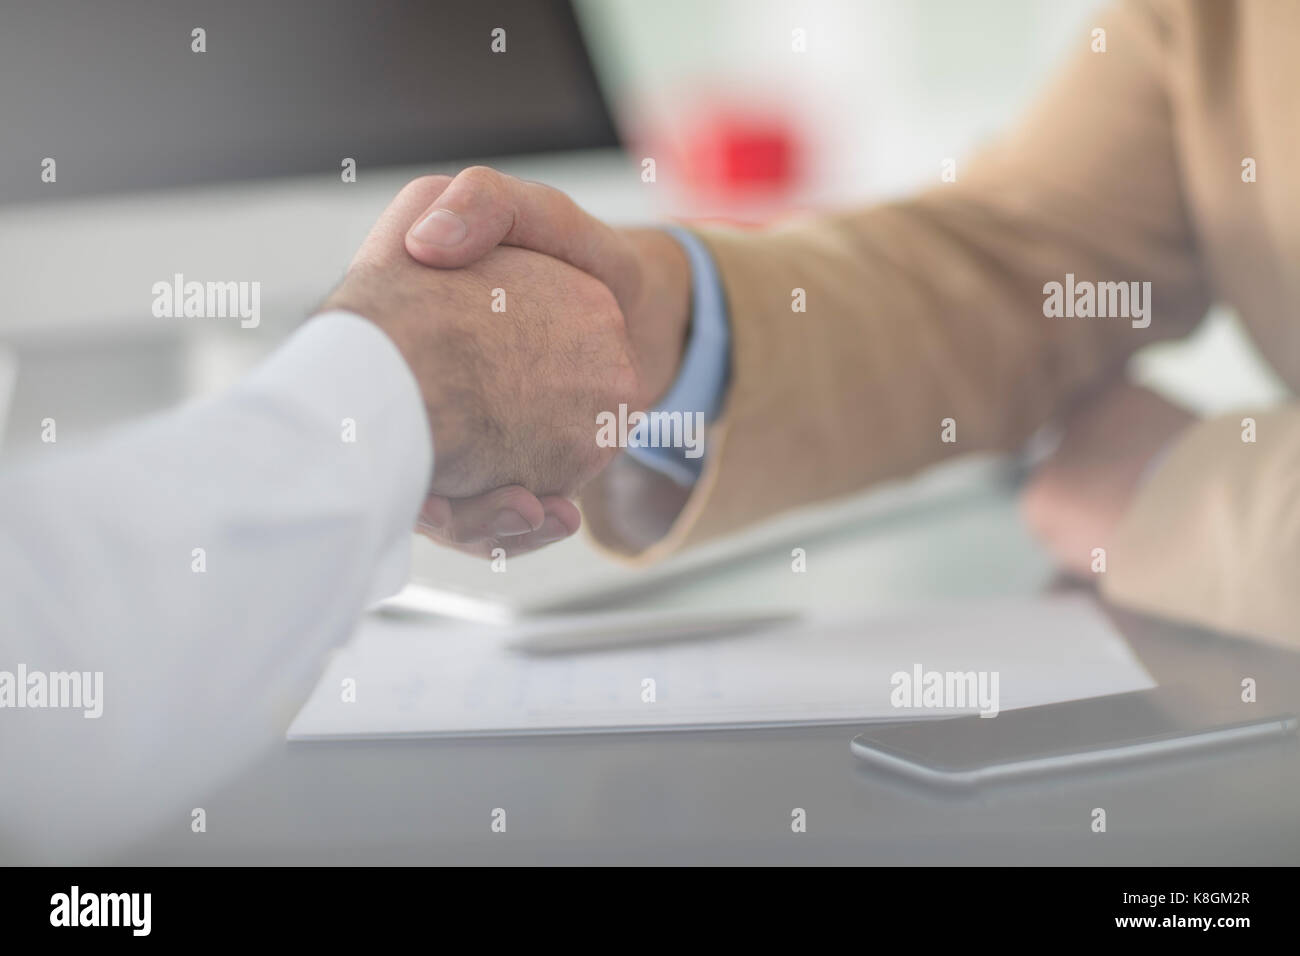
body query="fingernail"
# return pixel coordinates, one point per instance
(442, 227)
(552, 529)
(507, 523)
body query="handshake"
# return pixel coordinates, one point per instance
(523, 319)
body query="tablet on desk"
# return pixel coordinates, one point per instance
(1099, 731)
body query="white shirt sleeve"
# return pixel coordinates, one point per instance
(202, 561)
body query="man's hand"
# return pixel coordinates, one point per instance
(512, 396)
(646, 270)
(511, 518)
(1076, 498)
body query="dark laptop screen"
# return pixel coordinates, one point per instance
(115, 94)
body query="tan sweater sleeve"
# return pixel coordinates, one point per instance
(933, 308)
(1213, 537)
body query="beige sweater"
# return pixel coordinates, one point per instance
(1129, 169)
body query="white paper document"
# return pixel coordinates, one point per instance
(404, 678)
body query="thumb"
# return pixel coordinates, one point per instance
(483, 208)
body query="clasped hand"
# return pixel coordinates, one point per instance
(522, 318)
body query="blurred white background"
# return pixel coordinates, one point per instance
(885, 90)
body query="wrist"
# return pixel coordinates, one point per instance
(420, 346)
(659, 323)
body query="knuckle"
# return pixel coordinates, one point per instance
(483, 179)
(426, 185)
(593, 298)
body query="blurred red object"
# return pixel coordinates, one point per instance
(735, 156)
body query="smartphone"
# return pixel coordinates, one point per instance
(1097, 731)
